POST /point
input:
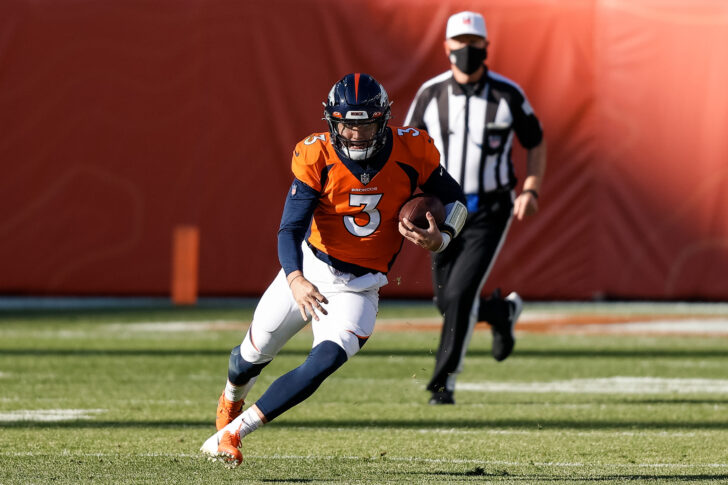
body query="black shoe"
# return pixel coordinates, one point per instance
(504, 338)
(442, 397)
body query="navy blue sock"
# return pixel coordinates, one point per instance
(240, 370)
(298, 384)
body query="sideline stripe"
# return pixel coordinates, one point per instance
(48, 415)
(410, 459)
(606, 385)
(590, 325)
(530, 322)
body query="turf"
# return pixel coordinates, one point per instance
(146, 397)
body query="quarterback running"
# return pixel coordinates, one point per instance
(338, 237)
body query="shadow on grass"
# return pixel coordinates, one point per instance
(429, 423)
(690, 478)
(723, 400)
(383, 353)
(505, 475)
(288, 480)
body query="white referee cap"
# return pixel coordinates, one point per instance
(463, 23)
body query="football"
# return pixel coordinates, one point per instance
(418, 205)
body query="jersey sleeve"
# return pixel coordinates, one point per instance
(309, 161)
(418, 148)
(308, 164)
(525, 123)
(430, 158)
(300, 203)
(446, 188)
(433, 178)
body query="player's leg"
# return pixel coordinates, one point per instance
(285, 392)
(352, 309)
(276, 319)
(338, 336)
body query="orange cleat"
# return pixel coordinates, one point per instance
(227, 450)
(227, 411)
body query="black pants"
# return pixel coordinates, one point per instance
(458, 276)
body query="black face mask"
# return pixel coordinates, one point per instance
(468, 59)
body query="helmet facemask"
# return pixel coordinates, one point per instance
(359, 140)
(358, 107)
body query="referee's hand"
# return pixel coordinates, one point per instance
(526, 204)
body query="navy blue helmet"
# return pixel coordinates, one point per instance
(357, 99)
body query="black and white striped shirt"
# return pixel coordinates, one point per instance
(473, 128)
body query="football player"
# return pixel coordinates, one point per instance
(349, 184)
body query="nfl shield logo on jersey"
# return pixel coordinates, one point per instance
(364, 178)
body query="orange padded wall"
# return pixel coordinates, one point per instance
(120, 121)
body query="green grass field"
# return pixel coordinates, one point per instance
(105, 396)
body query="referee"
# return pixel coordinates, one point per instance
(472, 114)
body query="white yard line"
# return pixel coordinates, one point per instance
(607, 385)
(178, 326)
(48, 415)
(718, 326)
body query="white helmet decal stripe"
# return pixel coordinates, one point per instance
(356, 115)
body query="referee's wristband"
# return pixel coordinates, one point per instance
(532, 192)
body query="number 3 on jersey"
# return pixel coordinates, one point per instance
(369, 201)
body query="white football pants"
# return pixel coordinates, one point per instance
(352, 310)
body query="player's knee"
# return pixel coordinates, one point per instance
(240, 370)
(323, 360)
(252, 354)
(349, 342)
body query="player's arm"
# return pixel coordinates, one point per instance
(441, 184)
(526, 204)
(530, 134)
(297, 213)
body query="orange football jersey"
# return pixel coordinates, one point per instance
(357, 222)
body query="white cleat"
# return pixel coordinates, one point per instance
(209, 447)
(223, 445)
